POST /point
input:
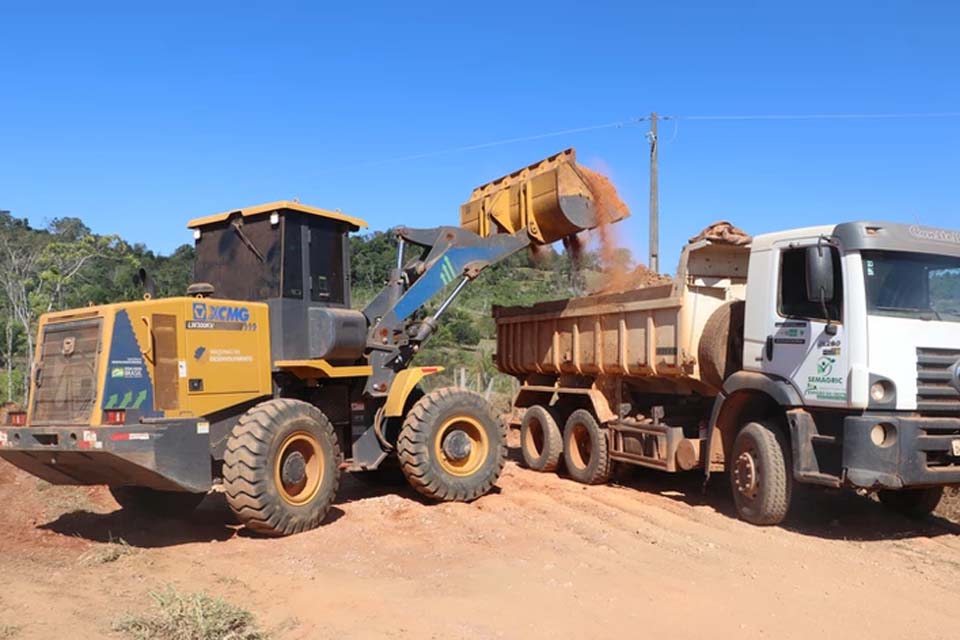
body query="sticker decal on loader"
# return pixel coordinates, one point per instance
(127, 383)
(223, 317)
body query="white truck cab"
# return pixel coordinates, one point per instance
(857, 328)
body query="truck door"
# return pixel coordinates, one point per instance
(805, 340)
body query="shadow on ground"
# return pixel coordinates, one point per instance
(822, 513)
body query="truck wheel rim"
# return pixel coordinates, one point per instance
(746, 474)
(303, 488)
(534, 440)
(461, 446)
(581, 449)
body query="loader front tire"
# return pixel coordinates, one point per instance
(451, 447)
(281, 471)
(165, 504)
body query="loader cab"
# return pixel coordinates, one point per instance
(294, 257)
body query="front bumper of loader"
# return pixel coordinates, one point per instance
(168, 455)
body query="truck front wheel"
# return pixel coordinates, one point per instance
(451, 446)
(585, 449)
(912, 503)
(760, 473)
(541, 442)
(282, 467)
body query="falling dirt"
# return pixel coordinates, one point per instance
(540, 557)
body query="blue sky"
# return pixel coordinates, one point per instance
(139, 119)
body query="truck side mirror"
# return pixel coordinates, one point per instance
(819, 274)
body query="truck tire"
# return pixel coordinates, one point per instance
(585, 449)
(912, 503)
(760, 474)
(165, 504)
(281, 471)
(720, 352)
(451, 447)
(541, 443)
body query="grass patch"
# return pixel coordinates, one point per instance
(106, 553)
(190, 616)
(8, 631)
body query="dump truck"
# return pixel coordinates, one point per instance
(262, 381)
(826, 355)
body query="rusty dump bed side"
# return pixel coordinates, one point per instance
(635, 333)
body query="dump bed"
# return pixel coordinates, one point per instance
(646, 333)
(635, 333)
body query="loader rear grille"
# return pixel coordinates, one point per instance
(938, 390)
(65, 381)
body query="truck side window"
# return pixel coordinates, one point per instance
(793, 287)
(326, 264)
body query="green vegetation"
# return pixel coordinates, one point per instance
(106, 553)
(9, 631)
(190, 616)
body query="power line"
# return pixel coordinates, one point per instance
(823, 116)
(637, 120)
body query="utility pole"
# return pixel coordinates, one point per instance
(654, 262)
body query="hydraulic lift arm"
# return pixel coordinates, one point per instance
(448, 255)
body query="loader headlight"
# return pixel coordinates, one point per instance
(883, 435)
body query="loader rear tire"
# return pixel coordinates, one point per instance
(541, 443)
(281, 471)
(165, 504)
(451, 447)
(720, 352)
(586, 449)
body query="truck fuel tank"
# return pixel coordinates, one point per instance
(551, 199)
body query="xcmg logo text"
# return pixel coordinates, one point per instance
(227, 313)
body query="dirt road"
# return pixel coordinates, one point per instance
(542, 557)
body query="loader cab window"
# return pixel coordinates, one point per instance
(326, 262)
(793, 301)
(240, 257)
(292, 257)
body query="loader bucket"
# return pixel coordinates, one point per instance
(551, 199)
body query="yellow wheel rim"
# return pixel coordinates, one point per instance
(581, 449)
(461, 446)
(299, 468)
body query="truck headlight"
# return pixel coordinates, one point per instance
(883, 434)
(879, 391)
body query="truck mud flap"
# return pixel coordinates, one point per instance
(168, 456)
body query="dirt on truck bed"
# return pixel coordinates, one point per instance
(540, 557)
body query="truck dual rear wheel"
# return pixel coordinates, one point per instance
(451, 447)
(585, 449)
(760, 473)
(541, 443)
(912, 503)
(282, 467)
(167, 504)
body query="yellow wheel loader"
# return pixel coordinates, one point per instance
(264, 380)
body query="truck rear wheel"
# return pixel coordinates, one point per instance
(167, 504)
(912, 503)
(541, 442)
(451, 446)
(585, 449)
(282, 467)
(760, 474)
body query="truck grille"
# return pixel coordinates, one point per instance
(65, 382)
(937, 385)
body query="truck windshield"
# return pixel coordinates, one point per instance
(912, 285)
